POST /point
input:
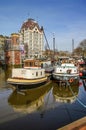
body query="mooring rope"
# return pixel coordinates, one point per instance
(76, 96)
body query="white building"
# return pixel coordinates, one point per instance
(32, 38)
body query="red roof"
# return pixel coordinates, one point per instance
(31, 23)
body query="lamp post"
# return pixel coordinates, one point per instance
(83, 53)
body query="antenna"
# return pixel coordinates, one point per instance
(72, 45)
(37, 19)
(28, 15)
(54, 43)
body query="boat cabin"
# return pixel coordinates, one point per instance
(30, 63)
(66, 68)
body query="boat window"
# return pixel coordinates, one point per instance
(30, 63)
(36, 73)
(41, 72)
(42, 65)
(26, 64)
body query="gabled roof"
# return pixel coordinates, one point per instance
(31, 23)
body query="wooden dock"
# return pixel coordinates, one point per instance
(76, 125)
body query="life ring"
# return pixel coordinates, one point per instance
(71, 80)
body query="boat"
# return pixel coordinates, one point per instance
(82, 70)
(66, 73)
(29, 100)
(66, 94)
(30, 75)
(48, 66)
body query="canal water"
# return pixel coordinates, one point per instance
(47, 107)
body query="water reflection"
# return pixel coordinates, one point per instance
(8, 73)
(46, 104)
(30, 100)
(5, 73)
(42, 98)
(66, 94)
(2, 78)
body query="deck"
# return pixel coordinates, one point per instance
(76, 125)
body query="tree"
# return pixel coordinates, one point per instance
(83, 44)
(80, 50)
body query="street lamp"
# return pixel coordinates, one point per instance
(83, 53)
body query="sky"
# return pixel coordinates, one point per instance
(63, 19)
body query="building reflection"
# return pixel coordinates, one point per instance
(28, 101)
(66, 94)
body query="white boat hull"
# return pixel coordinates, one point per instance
(65, 76)
(66, 73)
(26, 82)
(28, 77)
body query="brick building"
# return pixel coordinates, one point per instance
(12, 51)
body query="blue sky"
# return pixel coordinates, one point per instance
(64, 19)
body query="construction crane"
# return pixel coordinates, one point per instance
(48, 47)
(46, 40)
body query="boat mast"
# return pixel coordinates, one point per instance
(53, 45)
(72, 46)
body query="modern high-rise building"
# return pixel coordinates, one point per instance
(32, 39)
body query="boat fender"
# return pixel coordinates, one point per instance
(71, 80)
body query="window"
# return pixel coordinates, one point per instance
(41, 72)
(36, 73)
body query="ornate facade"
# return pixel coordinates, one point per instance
(31, 37)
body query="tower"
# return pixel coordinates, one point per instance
(72, 45)
(31, 36)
